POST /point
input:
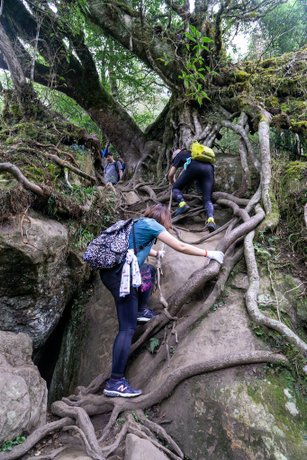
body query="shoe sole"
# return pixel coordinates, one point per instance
(211, 229)
(113, 394)
(143, 319)
(181, 213)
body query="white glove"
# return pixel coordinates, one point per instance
(216, 255)
(160, 253)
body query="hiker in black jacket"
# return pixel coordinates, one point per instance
(194, 170)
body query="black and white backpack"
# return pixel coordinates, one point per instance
(110, 247)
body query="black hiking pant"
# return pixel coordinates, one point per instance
(126, 308)
(203, 174)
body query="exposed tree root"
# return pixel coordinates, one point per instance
(15, 171)
(242, 132)
(83, 421)
(160, 431)
(252, 299)
(65, 206)
(66, 164)
(34, 438)
(77, 418)
(50, 455)
(99, 404)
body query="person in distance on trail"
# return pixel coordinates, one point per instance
(194, 170)
(113, 170)
(123, 163)
(154, 224)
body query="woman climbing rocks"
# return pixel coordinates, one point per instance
(155, 224)
(196, 171)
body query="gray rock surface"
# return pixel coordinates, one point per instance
(36, 280)
(86, 348)
(23, 393)
(141, 449)
(72, 454)
(228, 173)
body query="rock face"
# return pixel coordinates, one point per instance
(23, 393)
(228, 174)
(141, 449)
(35, 278)
(86, 347)
(234, 415)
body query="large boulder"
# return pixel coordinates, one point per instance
(35, 278)
(23, 393)
(228, 173)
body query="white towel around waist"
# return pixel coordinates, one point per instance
(130, 270)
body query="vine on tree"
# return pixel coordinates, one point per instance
(195, 73)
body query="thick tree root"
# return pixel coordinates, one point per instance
(15, 171)
(252, 297)
(77, 418)
(35, 437)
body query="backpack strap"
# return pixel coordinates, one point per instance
(117, 169)
(133, 237)
(188, 161)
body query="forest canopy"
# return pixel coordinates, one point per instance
(124, 63)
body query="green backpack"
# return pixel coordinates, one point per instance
(200, 152)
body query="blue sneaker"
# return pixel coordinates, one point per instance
(181, 210)
(120, 387)
(145, 314)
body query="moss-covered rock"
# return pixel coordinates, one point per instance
(290, 190)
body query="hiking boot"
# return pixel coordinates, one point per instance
(120, 387)
(211, 225)
(182, 209)
(145, 314)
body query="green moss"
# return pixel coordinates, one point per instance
(272, 101)
(35, 173)
(289, 185)
(271, 62)
(293, 106)
(12, 140)
(241, 75)
(299, 126)
(273, 396)
(295, 170)
(272, 219)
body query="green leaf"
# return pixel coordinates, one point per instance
(154, 344)
(206, 40)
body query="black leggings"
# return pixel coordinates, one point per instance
(203, 173)
(127, 308)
